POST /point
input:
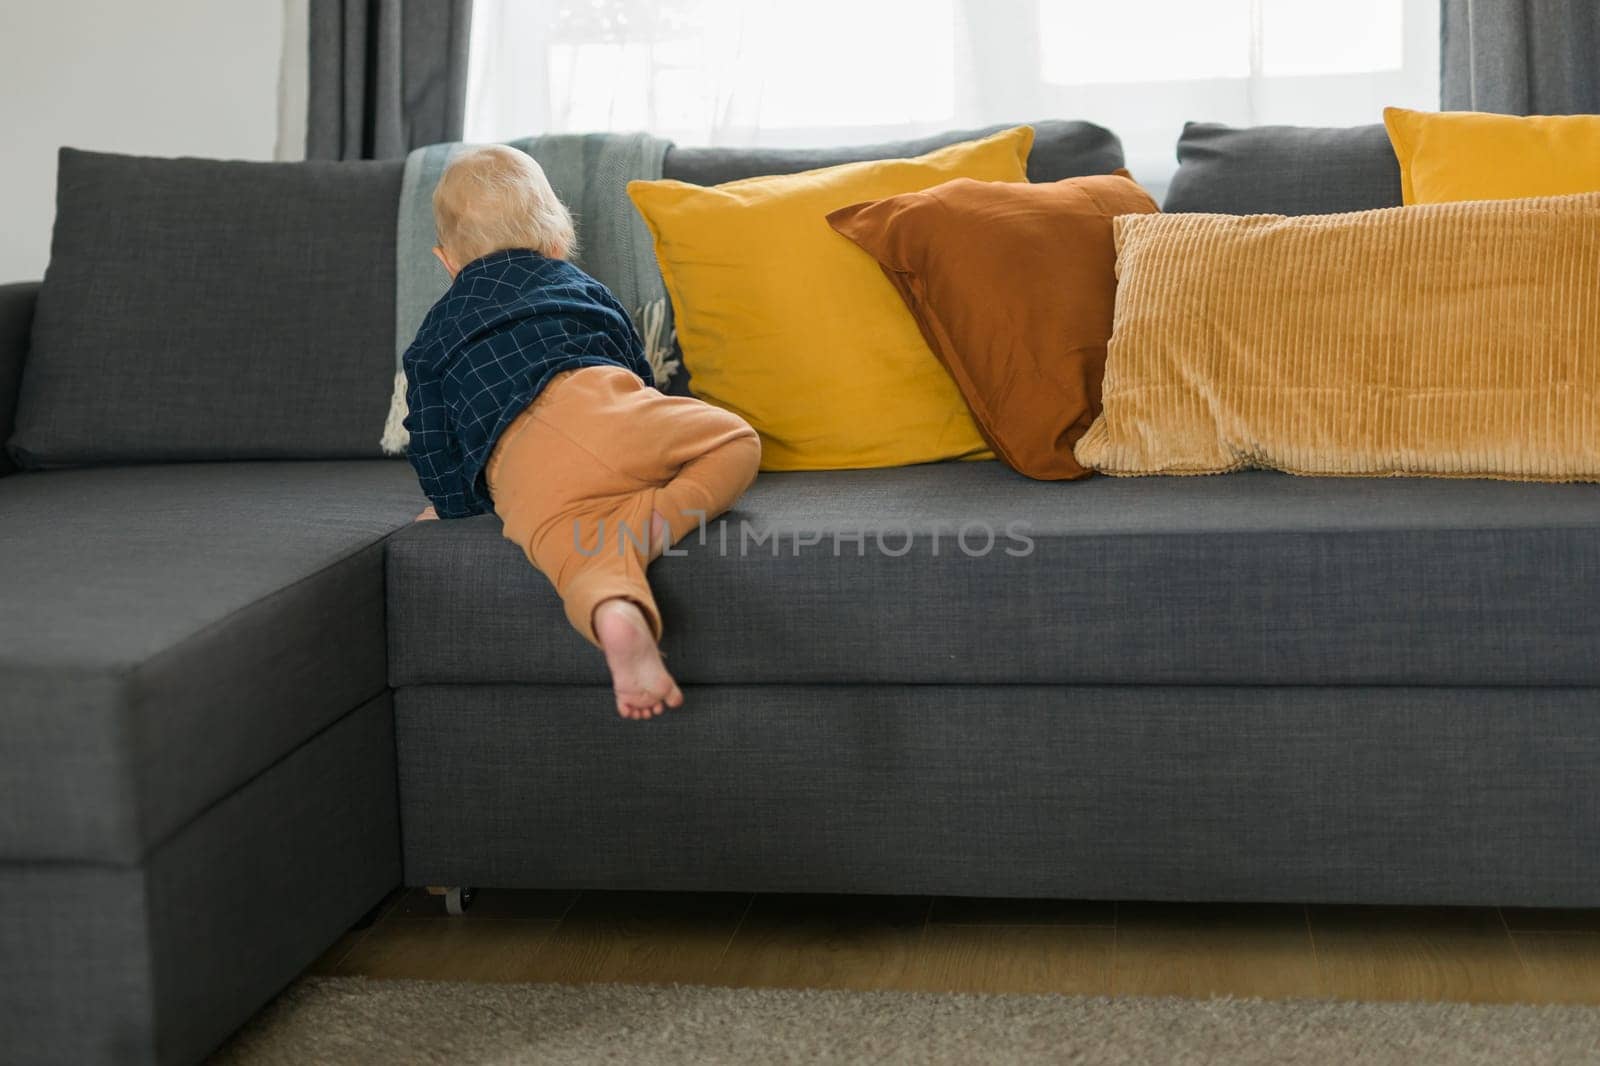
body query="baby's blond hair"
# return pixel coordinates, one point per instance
(493, 198)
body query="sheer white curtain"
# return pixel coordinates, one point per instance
(814, 72)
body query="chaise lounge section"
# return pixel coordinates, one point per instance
(197, 792)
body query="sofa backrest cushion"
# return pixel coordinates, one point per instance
(1283, 170)
(1061, 149)
(197, 309)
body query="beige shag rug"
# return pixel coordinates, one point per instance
(355, 1021)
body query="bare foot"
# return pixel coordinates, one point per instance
(638, 677)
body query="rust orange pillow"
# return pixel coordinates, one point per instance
(1013, 286)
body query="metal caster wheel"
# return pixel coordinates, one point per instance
(457, 899)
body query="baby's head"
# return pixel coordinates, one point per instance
(493, 198)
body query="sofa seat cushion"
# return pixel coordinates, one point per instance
(168, 632)
(1249, 578)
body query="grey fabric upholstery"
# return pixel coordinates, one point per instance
(156, 964)
(1244, 579)
(1368, 795)
(1060, 150)
(169, 631)
(195, 309)
(1245, 687)
(1283, 170)
(1520, 59)
(16, 322)
(386, 76)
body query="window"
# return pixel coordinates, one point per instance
(762, 72)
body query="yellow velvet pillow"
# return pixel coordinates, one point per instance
(1467, 155)
(790, 325)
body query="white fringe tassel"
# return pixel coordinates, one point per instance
(395, 437)
(659, 341)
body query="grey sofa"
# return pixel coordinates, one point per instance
(244, 697)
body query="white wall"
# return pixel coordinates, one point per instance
(151, 77)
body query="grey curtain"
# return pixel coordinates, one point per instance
(1520, 57)
(386, 76)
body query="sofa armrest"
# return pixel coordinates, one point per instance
(16, 322)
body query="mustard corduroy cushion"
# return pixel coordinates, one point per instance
(787, 323)
(1457, 340)
(1468, 155)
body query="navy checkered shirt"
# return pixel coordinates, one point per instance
(509, 323)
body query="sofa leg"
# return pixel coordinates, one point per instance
(457, 898)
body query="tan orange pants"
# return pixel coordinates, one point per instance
(577, 476)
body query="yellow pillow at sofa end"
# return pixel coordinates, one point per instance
(1448, 156)
(790, 325)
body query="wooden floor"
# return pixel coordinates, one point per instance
(863, 942)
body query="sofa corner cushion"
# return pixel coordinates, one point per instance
(1061, 149)
(206, 309)
(1283, 170)
(169, 631)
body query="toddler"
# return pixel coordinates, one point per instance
(528, 394)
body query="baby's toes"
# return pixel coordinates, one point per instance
(638, 706)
